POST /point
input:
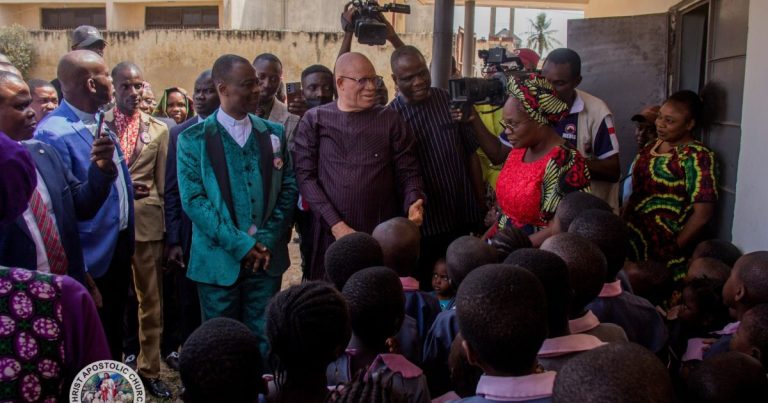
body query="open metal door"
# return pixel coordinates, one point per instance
(709, 57)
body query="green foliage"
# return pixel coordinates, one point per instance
(17, 45)
(540, 36)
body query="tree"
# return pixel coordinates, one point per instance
(540, 37)
(16, 44)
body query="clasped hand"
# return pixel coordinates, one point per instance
(256, 259)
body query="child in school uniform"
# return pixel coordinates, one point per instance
(747, 287)
(650, 280)
(617, 372)
(728, 377)
(639, 318)
(571, 206)
(444, 290)
(708, 267)
(752, 336)
(463, 255)
(376, 310)
(503, 319)
(508, 240)
(221, 362)
(308, 327)
(560, 345)
(358, 251)
(701, 312)
(586, 271)
(351, 254)
(719, 249)
(400, 241)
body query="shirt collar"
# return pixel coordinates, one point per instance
(730, 328)
(84, 116)
(584, 324)
(572, 343)
(611, 289)
(516, 388)
(229, 121)
(409, 283)
(578, 104)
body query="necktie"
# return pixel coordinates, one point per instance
(57, 259)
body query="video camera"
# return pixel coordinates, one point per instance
(498, 69)
(369, 29)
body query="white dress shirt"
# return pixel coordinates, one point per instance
(90, 123)
(239, 130)
(34, 230)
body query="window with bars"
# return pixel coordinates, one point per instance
(182, 17)
(71, 18)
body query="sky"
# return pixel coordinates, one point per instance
(522, 15)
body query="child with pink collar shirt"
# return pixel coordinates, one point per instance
(747, 287)
(376, 311)
(640, 320)
(561, 344)
(503, 319)
(616, 372)
(400, 241)
(586, 272)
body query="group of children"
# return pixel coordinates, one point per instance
(569, 321)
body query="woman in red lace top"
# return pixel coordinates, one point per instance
(541, 168)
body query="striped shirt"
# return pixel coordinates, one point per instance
(444, 147)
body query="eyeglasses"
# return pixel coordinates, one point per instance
(362, 82)
(512, 125)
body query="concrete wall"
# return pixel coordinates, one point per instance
(750, 224)
(289, 15)
(28, 14)
(312, 15)
(176, 57)
(616, 8)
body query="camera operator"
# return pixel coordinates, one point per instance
(450, 167)
(588, 127)
(487, 116)
(348, 18)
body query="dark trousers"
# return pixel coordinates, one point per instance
(114, 287)
(181, 310)
(131, 323)
(304, 228)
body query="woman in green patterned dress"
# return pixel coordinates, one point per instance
(674, 188)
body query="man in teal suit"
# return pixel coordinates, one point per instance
(237, 186)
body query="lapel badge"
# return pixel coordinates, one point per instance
(277, 163)
(145, 137)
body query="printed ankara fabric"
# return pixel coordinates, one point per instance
(538, 98)
(664, 189)
(31, 338)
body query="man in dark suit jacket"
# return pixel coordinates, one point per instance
(66, 199)
(181, 314)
